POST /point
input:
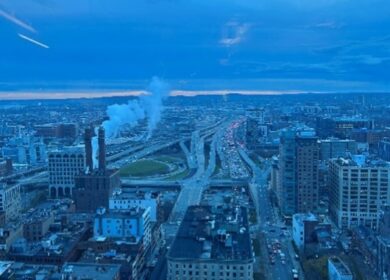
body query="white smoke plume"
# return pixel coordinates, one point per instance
(148, 106)
(153, 102)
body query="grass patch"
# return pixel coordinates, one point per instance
(146, 167)
(316, 268)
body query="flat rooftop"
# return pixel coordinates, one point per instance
(213, 234)
(341, 267)
(91, 271)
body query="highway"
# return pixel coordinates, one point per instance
(192, 188)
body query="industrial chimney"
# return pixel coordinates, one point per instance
(9, 166)
(102, 149)
(88, 149)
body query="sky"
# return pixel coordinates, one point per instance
(195, 45)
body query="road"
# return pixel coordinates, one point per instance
(276, 236)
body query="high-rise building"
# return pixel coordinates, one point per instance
(298, 167)
(255, 128)
(94, 187)
(359, 187)
(64, 165)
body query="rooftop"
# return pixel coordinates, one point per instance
(302, 217)
(341, 267)
(91, 271)
(361, 161)
(213, 234)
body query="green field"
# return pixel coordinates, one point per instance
(146, 167)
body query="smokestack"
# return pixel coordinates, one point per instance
(88, 149)
(102, 149)
(9, 167)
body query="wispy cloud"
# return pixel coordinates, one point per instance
(17, 21)
(331, 24)
(233, 33)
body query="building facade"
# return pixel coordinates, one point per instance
(384, 149)
(358, 189)
(10, 200)
(64, 165)
(124, 201)
(133, 225)
(298, 167)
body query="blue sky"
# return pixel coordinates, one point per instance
(278, 45)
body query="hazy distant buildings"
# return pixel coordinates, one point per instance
(334, 148)
(341, 127)
(25, 150)
(358, 189)
(55, 130)
(256, 129)
(298, 169)
(212, 244)
(94, 187)
(64, 165)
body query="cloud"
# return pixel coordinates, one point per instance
(233, 33)
(331, 24)
(17, 21)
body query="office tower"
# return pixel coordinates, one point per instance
(359, 187)
(298, 167)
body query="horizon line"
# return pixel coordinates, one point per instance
(90, 94)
